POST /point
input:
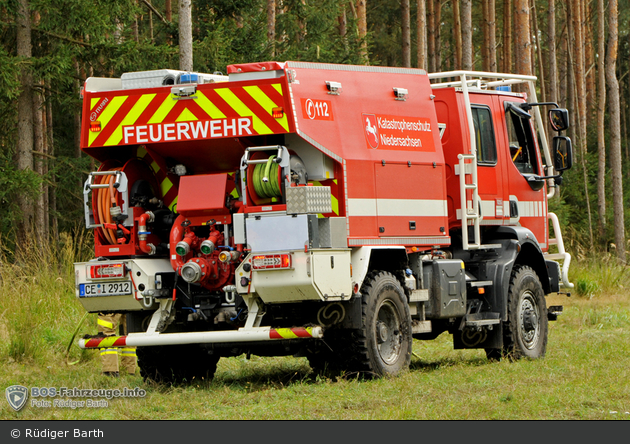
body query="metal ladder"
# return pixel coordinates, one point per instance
(472, 212)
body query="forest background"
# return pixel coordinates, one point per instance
(49, 47)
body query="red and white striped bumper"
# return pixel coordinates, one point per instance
(258, 334)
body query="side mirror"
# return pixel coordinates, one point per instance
(518, 111)
(562, 153)
(559, 119)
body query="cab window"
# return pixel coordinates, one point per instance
(522, 147)
(484, 136)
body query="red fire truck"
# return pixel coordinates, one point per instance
(328, 211)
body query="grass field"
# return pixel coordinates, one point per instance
(584, 375)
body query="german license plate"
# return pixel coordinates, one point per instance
(104, 289)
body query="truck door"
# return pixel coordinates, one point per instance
(489, 174)
(527, 194)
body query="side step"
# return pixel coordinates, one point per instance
(420, 326)
(553, 311)
(479, 320)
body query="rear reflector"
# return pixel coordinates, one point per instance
(272, 262)
(107, 271)
(277, 112)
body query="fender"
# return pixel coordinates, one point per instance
(529, 253)
(518, 246)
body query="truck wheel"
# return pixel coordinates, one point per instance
(525, 332)
(384, 342)
(176, 364)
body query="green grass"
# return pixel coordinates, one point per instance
(584, 375)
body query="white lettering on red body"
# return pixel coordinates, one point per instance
(170, 132)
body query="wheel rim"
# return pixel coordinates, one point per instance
(529, 316)
(388, 335)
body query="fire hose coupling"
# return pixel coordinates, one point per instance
(183, 247)
(207, 247)
(115, 211)
(229, 256)
(194, 270)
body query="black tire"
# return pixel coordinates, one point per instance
(176, 364)
(526, 329)
(494, 354)
(325, 362)
(330, 357)
(383, 345)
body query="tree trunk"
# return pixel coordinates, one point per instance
(580, 83)
(342, 19)
(485, 48)
(492, 36)
(522, 42)
(589, 59)
(552, 77)
(438, 32)
(457, 33)
(24, 152)
(362, 25)
(134, 25)
(422, 34)
(185, 36)
(301, 21)
(431, 35)
(601, 112)
(541, 70)
(507, 36)
(52, 190)
(168, 14)
(40, 160)
(271, 27)
(406, 33)
(615, 128)
(467, 48)
(551, 53)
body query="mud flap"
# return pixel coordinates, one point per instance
(484, 338)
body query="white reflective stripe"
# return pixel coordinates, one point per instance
(397, 207)
(429, 240)
(488, 208)
(361, 207)
(528, 208)
(531, 208)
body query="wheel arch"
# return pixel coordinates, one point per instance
(366, 259)
(527, 252)
(532, 256)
